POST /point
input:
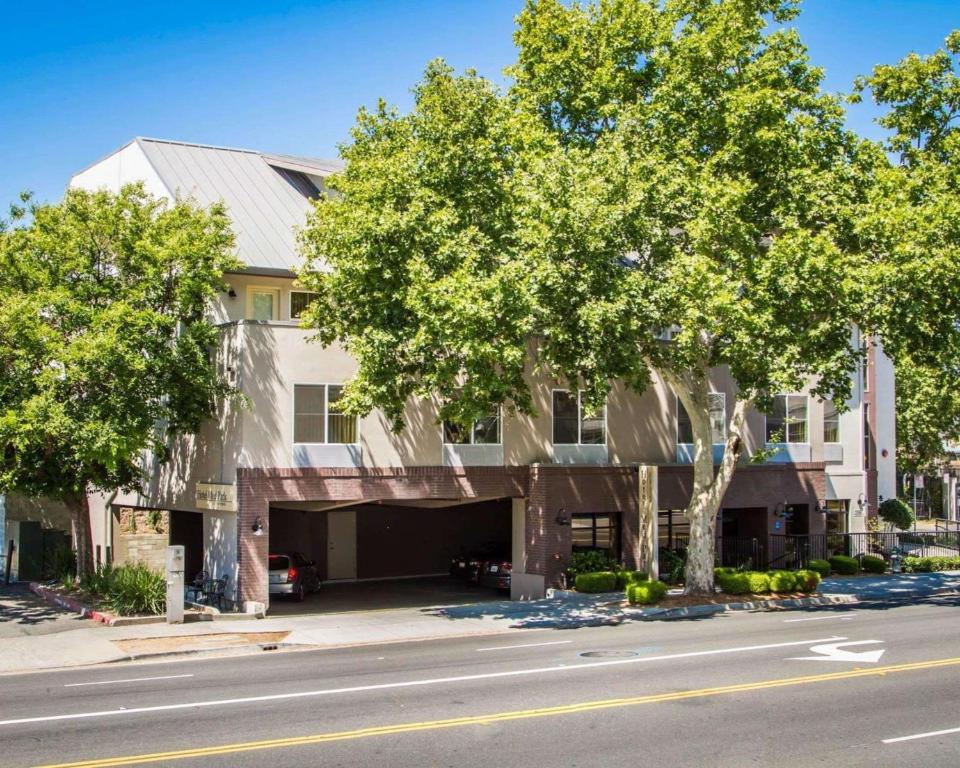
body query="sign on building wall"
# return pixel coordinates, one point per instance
(220, 497)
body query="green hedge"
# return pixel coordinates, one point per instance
(646, 592)
(782, 581)
(930, 564)
(820, 566)
(600, 581)
(734, 583)
(845, 566)
(592, 561)
(872, 564)
(626, 578)
(807, 581)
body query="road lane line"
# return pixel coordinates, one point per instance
(926, 735)
(818, 618)
(524, 714)
(404, 683)
(525, 645)
(128, 680)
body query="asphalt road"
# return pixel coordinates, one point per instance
(732, 690)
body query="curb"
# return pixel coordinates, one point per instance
(89, 613)
(658, 614)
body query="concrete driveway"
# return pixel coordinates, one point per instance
(22, 613)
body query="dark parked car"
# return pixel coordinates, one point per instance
(293, 575)
(470, 563)
(496, 574)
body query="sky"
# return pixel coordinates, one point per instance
(79, 78)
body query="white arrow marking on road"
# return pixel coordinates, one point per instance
(832, 652)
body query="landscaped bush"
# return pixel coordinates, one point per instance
(137, 589)
(724, 569)
(591, 561)
(98, 582)
(820, 566)
(896, 513)
(759, 582)
(646, 592)
(782, 581)
(872, 564)
(626, 578)
(807, 581)
(929, 564)
(673, 565)
(734, 583)
(846, 566)
(602, 581)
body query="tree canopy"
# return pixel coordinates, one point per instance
(105, 339)
(653, 165)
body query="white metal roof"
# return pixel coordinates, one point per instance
(265, 201)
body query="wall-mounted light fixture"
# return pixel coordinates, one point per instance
(562, 517)
(780, 510)
(232, 293)
(861, 504)
(257, 527)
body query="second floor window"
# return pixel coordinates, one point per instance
(718, 420)
(574, 426)
(264, 303)
(317, 417)
(485, 431)
(787, 422)
(831, 422)
(299, 301)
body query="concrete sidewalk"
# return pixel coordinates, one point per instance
(90, 643)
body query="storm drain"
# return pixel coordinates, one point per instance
(608, 654)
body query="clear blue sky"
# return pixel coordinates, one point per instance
(78, 79)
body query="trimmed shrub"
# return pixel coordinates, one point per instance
(807, 581)
(646, 592)
(872, 564)
(896, 513)
(845, 566)
(912, 564)
(820, 566)
(673, 565)
(759, 582)
(734, 583)
(137, 589)
(591, 561)
(725, 569)
(626, 578)
(782, 581)
(601, 581)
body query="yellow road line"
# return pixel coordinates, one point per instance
(499, 717)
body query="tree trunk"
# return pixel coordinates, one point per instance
(709, 486)
(79, 506)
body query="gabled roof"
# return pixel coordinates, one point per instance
(267, 196)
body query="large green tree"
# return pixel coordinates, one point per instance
(655, 165)
(105, 340)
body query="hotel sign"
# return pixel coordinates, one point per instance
(217, 496)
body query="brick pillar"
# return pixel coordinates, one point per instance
(548, 544)
(252, 550)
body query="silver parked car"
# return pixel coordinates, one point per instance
(293, 575)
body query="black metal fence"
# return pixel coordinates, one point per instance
(731, 551)
(797, 551)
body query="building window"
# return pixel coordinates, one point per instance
(599, 531)
(718, 420)
(866, 436)
(787, 422)
(831, 422)
(264, 303)
(299, 301)
(572, 425)
(485, 431)
(317, 417)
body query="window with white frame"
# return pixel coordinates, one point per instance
(787, 421)
(299, 301)
(318, 418)
(485, 431)
(831, 422)
(263, 303)
(718, 420)
(572, 425)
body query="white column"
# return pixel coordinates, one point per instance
(648, 511)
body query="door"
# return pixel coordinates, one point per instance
(342, 544)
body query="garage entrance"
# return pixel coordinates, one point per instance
(381, 554)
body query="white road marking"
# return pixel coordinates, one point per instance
(819, 618)
(128, 680)
(406, 683)
(833, 652)
(525, 645)
(922, 735)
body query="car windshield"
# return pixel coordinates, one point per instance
(279, 562)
